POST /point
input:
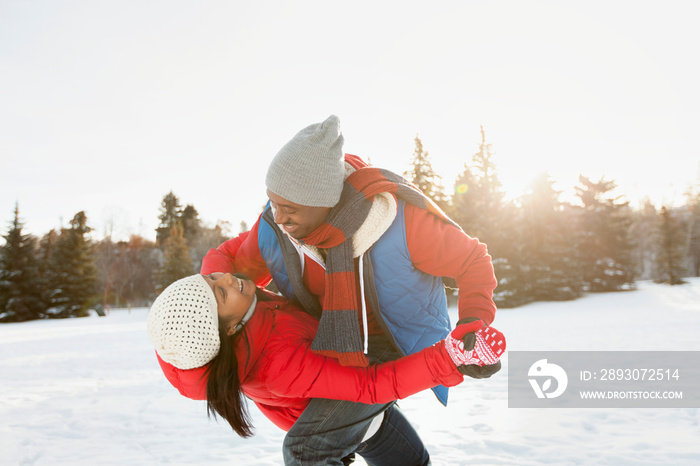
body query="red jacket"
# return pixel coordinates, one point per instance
(280, 373)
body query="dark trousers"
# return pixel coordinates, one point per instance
(395, 444)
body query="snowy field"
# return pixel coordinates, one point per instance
(89, 392)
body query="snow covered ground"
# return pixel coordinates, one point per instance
(89, 392)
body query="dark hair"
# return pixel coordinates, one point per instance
(224, 395)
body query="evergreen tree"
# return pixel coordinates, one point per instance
(170, 215)
(643, 231)
(465, 204)
(478, 207)
(604, 241)
(478, 200)
(546, 265)
(194, 233)
(671, 249)
(176, 260)
(197, 238)
(424, 177)
(74, 265)
(47, 271)
(191, 225)
(19, 275)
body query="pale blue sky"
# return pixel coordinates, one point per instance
(105, 106)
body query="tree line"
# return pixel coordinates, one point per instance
(543, 249)
(65, 273)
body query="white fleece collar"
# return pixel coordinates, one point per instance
(378, 221)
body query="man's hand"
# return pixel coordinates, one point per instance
(475, 348)
(480, 372)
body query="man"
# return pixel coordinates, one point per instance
(364, 251)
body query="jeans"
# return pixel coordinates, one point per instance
(395, 444)
(330, 430)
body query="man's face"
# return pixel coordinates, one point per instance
(297, 220)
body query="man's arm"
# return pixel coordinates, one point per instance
(441, 249)
(240, 254)
(222, 258)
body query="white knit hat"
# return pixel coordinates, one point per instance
(183, 324)
(309, 170)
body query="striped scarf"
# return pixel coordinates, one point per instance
(339, 333)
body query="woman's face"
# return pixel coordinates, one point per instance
(233, 297)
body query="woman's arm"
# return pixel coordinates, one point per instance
(191, 383)
(307, 375)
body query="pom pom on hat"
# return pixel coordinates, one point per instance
(310, 169)
(183, 323)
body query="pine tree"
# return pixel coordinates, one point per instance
(176, 261)
(191, 225)
(546, 259)
(424, 177)
(603, 241)
(671, 249)
(19, 275)
(74, 265)
(643, 231)
(47, 271)
(194, 232)
(478, 207)
(170, 216)
(465, 204)
(478, 200)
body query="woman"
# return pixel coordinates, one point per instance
(220, 338)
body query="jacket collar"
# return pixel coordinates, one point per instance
(250, 345)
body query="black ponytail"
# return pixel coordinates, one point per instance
(224, 395)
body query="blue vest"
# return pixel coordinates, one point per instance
(410, 305)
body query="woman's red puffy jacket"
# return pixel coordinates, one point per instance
(280, 373)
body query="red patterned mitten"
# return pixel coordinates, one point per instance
(490, 345)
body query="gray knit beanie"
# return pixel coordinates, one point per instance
(310, 169)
